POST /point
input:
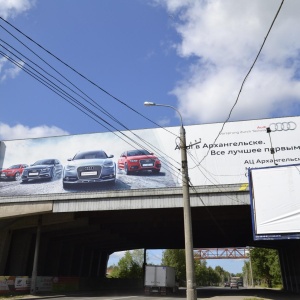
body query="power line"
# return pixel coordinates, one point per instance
(109, 94)
(242, 85)
(236, 101)
(83, 108)
(92, 102)
(74, 70)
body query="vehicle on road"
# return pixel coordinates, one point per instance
(160, 280)
(49, 168)
(227, 284)
(234, 284)
(13, 172)
(138, 160)
(89, 167)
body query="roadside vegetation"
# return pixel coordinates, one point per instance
(264, 268)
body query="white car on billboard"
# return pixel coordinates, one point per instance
(89, 167)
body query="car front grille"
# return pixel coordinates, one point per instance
(89, 172)
(147, 162)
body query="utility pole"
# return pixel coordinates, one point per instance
(191, 291)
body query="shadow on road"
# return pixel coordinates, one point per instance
(202, 293)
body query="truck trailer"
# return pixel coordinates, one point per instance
(160, 279)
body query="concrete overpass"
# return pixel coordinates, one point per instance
(78, 231)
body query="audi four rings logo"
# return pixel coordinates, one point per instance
(284, 126)
(89, 168)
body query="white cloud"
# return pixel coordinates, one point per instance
(12, 8)
(24, 132)
(223, 38)
(9, 70)
(164, 121)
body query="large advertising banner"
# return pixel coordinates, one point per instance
(22, 284)
(148, 158)
(275, 202)
(14, 284)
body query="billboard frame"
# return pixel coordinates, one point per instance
(267, 236)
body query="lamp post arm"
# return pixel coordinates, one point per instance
(165, 105)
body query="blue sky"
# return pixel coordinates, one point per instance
(191, 54)
(155, 255)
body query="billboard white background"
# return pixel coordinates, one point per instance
(275, 200)
(241, 145)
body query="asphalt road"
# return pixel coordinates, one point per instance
(202, 293)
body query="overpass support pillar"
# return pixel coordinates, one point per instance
(18, 260)
(5, 238)
(290, 268)
(104, 256)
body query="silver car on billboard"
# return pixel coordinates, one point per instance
(89, 167)
(49, 168)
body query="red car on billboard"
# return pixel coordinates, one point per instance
(138, 160)
(13, 172)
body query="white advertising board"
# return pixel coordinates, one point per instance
(225, 160)
(275, 195)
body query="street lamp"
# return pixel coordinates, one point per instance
(191, 291)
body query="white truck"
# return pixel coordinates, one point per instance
(160, 279)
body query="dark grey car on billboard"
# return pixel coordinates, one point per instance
(42, 169)
(88, 167)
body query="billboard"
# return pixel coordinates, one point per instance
(275, 204)
(117, 161)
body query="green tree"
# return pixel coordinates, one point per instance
(224, 275)
(138, 256)
(206, 276)
(213, 277)
(129, 266)
(113, 271)
(201, 272)
(266, 266)
(203, 275)
(175, 258)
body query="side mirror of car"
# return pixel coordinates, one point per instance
(110, 156)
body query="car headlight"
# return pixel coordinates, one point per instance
(44, 170)
(133, 160)
(108, 164)
(70, 168)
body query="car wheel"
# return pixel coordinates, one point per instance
(127, 172)
(17, 176)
